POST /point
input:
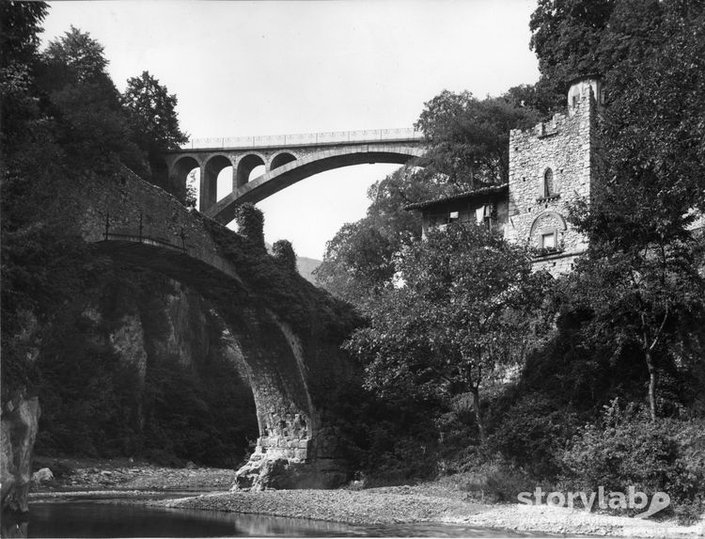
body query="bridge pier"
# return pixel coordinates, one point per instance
(209, 180)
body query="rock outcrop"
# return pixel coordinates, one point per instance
(19, 425)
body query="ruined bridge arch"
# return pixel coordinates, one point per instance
(285, 159)
(291, 363)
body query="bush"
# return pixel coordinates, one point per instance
(628, 449)
(493, 482)
(250, 222)
(284, 254)
(532, 435)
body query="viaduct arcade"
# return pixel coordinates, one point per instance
(286, 159)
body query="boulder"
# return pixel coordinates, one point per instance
(43, 475)
(18, 430)
(262, 473)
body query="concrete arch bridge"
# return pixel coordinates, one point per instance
(288, 331)
(286, 159)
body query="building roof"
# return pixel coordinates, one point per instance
(468, 196)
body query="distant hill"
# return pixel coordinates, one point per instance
(306, 267)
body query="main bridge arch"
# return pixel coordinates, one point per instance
(284, 160)
(296, 170)
(292, 363)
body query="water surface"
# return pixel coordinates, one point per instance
(102, 520)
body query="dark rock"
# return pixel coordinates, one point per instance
(19, 423)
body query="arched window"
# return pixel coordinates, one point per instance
(548, 188)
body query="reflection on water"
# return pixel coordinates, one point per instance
(91, 519)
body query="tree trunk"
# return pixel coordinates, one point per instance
(652, 384)
(478, 414)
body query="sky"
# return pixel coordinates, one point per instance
(242, 68)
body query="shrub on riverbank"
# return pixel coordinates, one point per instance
(627, 449)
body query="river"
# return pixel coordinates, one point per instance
(99, 519)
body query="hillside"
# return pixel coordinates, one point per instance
(306, 266)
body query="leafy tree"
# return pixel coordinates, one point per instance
(454, 320)
(153, 111)
(80, 56)
(154, 121)
(566, 36)
(20, 25)
(640, 297)
(63, 123)
(92, 126)
(359, 260)
(641, 280)
(469, 138)
(468, 147)
(40, 256)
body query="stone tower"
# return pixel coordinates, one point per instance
(550, 167)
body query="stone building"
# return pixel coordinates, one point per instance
(550, 166)
(488, 205)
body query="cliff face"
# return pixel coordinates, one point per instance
(18, 430)
(141, 365)
(142, 350)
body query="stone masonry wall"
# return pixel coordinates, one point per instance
(564, 144)
(123, 202)
(288, 367)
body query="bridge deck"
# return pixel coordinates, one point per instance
(330, 138)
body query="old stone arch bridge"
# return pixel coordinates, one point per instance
(287, 331)
(287, 159)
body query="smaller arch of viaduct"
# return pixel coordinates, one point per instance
(212, 164)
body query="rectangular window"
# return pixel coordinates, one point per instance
(548, 241)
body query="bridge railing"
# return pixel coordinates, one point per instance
(140, 236)
(304, 139)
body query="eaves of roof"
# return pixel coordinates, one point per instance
(467, 195)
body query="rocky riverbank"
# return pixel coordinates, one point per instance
(127, 474)
(433, 504)
(438, 503)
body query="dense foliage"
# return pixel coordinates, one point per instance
(594, 379)
(628, 323)
(151, 112)
(459, 315)
(468, 147)
(64, 307)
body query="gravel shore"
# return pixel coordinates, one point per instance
(427, 503)
(434, 502)
(371, 506)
